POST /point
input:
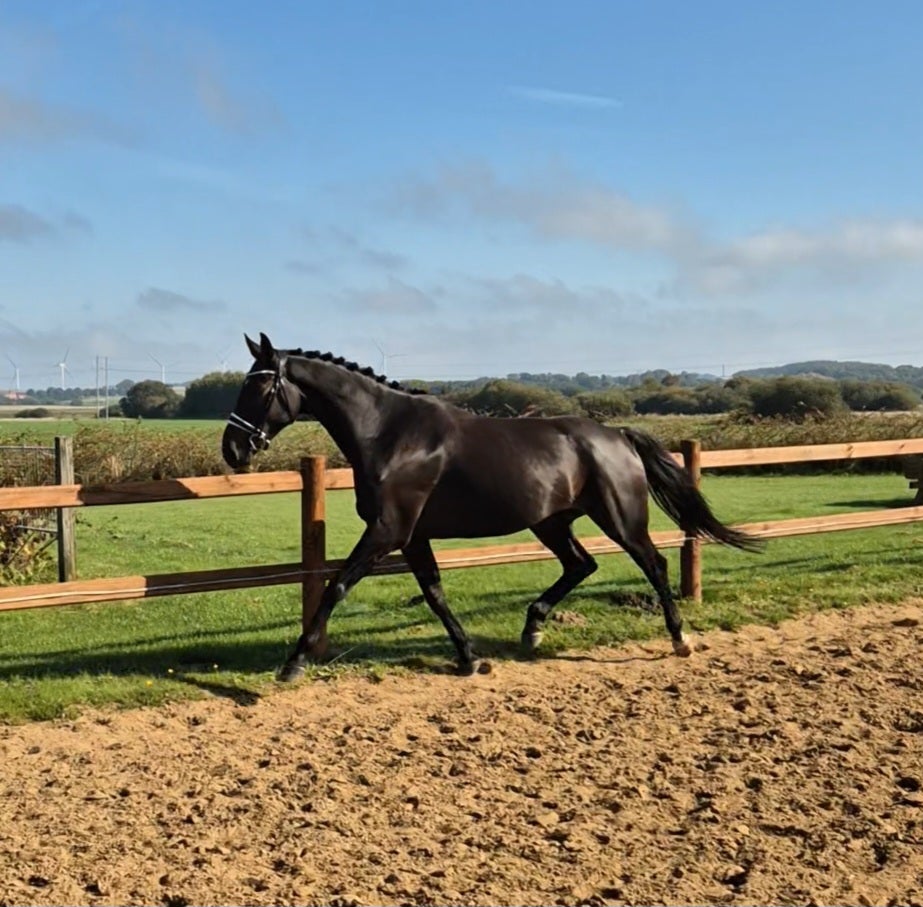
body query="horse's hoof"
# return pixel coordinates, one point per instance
(530, 640)
(290, 671)
(682, 648)
(476, 666)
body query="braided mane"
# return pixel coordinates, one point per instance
(354, 367)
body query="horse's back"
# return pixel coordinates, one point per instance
(503, 475)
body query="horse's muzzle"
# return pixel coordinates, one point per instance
(235, 454)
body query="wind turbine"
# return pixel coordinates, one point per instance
(163, 370)
(386, 356)
(15, 373)
(63, 366)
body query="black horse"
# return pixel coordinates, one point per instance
(425, 469)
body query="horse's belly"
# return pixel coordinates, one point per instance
(453, 512)
(435, 523)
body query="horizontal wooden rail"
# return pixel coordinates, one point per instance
(156, 490)
(768, 456)
(135, 587)
(147, 492)
(124, 588)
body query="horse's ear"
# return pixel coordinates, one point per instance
(254, 347)
(266, 347)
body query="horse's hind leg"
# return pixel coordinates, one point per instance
(630, 531)
(555, 534)
(654, 565)
(419, 556)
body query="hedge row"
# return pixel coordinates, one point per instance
(107, 452)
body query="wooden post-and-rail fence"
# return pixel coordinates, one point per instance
(313, 480)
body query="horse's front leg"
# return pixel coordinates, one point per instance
(371, 548)
(419, 556)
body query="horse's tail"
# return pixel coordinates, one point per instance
(676, 494)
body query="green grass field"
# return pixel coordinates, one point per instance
(44, 431)
(54, 661)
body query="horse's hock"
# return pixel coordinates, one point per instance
(913, 470)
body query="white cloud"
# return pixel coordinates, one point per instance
(333, 248)
(557, 206)
(395, 298)
(157, 300)
(765, 258)
(564, 98)
(18, 224)
(31, 120)
(228, 108)
(550, 299)
(552, 205)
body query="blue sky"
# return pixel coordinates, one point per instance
(448, 190)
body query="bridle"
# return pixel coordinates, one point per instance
(257, 437)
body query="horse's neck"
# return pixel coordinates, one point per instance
(344, 402)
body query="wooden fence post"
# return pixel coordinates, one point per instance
(690, 557)
(64, 475)
(313, 538)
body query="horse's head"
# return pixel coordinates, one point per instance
(267, 402)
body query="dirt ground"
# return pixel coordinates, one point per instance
(776, 766)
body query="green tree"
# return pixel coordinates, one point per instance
(665, 400)
(150, 400)
(878, 396)
(511, 398)
(796, 398)
(720, 398)
(603, 405)
(212, 396)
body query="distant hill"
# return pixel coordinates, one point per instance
(833, 368)
(570, 385)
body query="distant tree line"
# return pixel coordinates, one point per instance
(602, 397)
(214, 395)
(843, 370)
(789, 397)
(211, 396)
(70, 396)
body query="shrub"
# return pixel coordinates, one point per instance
(37, 412)
(510, 398)
(796, 398)
(133, 452)
(605, 404)
(720, 398)
(25, 555)
(150, 400)
(212, 396)
(879, 396)
(666, 400)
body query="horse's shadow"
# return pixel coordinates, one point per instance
(207, 663)
(875, 504)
